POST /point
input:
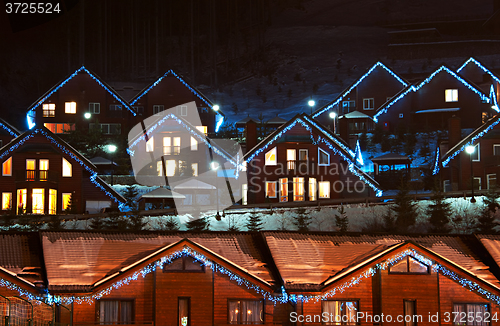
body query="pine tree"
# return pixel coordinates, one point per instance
(55, 223)
(439, 212)
(389, 221)
(70, 207)
(254, 222)
(342, 220)
(96, 223)
(363, 141)
(302, 220)
(136, 221)
(488, 214)
(197, 223)
(131, 197)
(405, 209)
(378, 134)
(171, 224)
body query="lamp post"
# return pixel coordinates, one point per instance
(215, 166)
(111, 149)
(332, 116)
(470, 150)
(87, 115)
(311, 104)
(215, 108)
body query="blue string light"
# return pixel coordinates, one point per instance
(220, 120)
(413, 88)
(483, 68)
(359, 155)
(493, 99)
(30, 117)
(435, 169)
(9, 130)
(341, 97)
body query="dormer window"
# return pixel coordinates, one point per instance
(49, 110)
(70, 107)
(409, 265)
(323, 157)
(451, 95)
(271, 157)
(7, 167)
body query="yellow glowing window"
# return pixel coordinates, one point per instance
(44, 165)
(167, 145)
(194, 144)
(194, 167)
(271, 157)
(284, 189)
(291, 157)
(67, 169)
(21, 201)
(170, 167)
(7, 167)
(159, 168)
(30, 164)
(52, 201)
(271, 189)
(177, 145)
(37, 200)
(324, 189)
(49, 110)
(298, 189)
(312, 189)
(244, 194)
(203, 129)
(66, 199)
(70, 107)
(150, 145)
(6, 200)
(451, 95)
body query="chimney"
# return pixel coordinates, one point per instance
(344, 129)
(250, 134)
(454, 131)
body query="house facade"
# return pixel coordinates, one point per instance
(81, 101)
(482, 76)
(171, 90)
(429, 104)
(365, 96)
(302, 161)
(41, 174)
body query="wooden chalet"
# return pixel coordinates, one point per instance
(266, 278)
(303, 161)
(482, 76)
(81, 101)
(41, 174)
(365, 95)
(427, 106)
(171, 90)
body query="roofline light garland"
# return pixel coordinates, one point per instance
(493, 99)
(435, 169)
(483, 68)
(378, 64)
(413, 88)
(219, 122)
(82, 68)
(359, 155)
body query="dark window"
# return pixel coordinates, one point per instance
(340, 312)
(409, 265)
(138, 109)
(245, 312)
(324, 158)
(409, 311)
(158, 108)
(95, 108)
(184, 264)
(471, 314)
(115, 312)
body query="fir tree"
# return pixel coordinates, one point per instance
(171, 224)
(55, 223)
(231, 221)
(389, 221)
(404, 208)
(70, 207)
(488, 214)
(386, 142)
(342, 220)
(96, 223)
(197, 223)
(131, 197)
(363, 141)
(378, 134)
(302, 220)
(136, 221)
(439, 212)
(254, 222)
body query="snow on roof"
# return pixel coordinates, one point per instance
(194, 184)
(83, 258)
(438, 110)
(162, 193)
(355, 115)
(305, 259)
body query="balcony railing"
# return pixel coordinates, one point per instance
(36, 175)
(298, 165)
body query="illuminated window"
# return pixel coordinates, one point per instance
(312, 189)
(323, 157)
(298, 189)
(70, 107)
(44, 169)
(177, 145)
(167, 145)
(481, 310)
(6, 201)
(95, 108)
(21, 201)
(340, 312)
(194, 168)
(194, 144)
(60, 128)
(271, 189)
(115, 312)
(451, 95)
(67, 168)
(246, 312)
(271, 157)
(202, 129)
(244, 194)
(324, 189)
(409, 265)
(184, 311)
(158, 108)
(159, 168)
(52, 201)
(150, 145)
(7, 167)
(37, 200)
(49, 110)
(170, 167)
(66, 199)
(368, 104)
(283, 189)
(290, 159)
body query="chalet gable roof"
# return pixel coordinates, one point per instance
(473, 61)
(336, 144)
(13, 131)
(415, 88)
(82, 69)
(339, 98)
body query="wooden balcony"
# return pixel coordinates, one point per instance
(36, 176)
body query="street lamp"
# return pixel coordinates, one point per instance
(111, 149)
(87, 115)
(215, 166)
(470, 150)
(215, 108)
(332, 116)
(311, 104)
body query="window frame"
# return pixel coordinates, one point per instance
(240, 311)
(408, 267)
(93, 106)
(50, 111)
(313, 193)
(496, 146)
(286, 196)
(7, 194)
(150, 145)
(478, 151)
(488, 178)
(183, 270)
(329, 189)
(479, 182)
(157, 108)
(70, 107)
(412, 323)
(9, 173)
(319, 157)
(298, 189)
(341, 322)
(369, 100)
(274, 149)
(275, 189)
(451, 95)
(70, 168)
(466, 304)
(188, 312)
(194, 144)
(124, 299)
